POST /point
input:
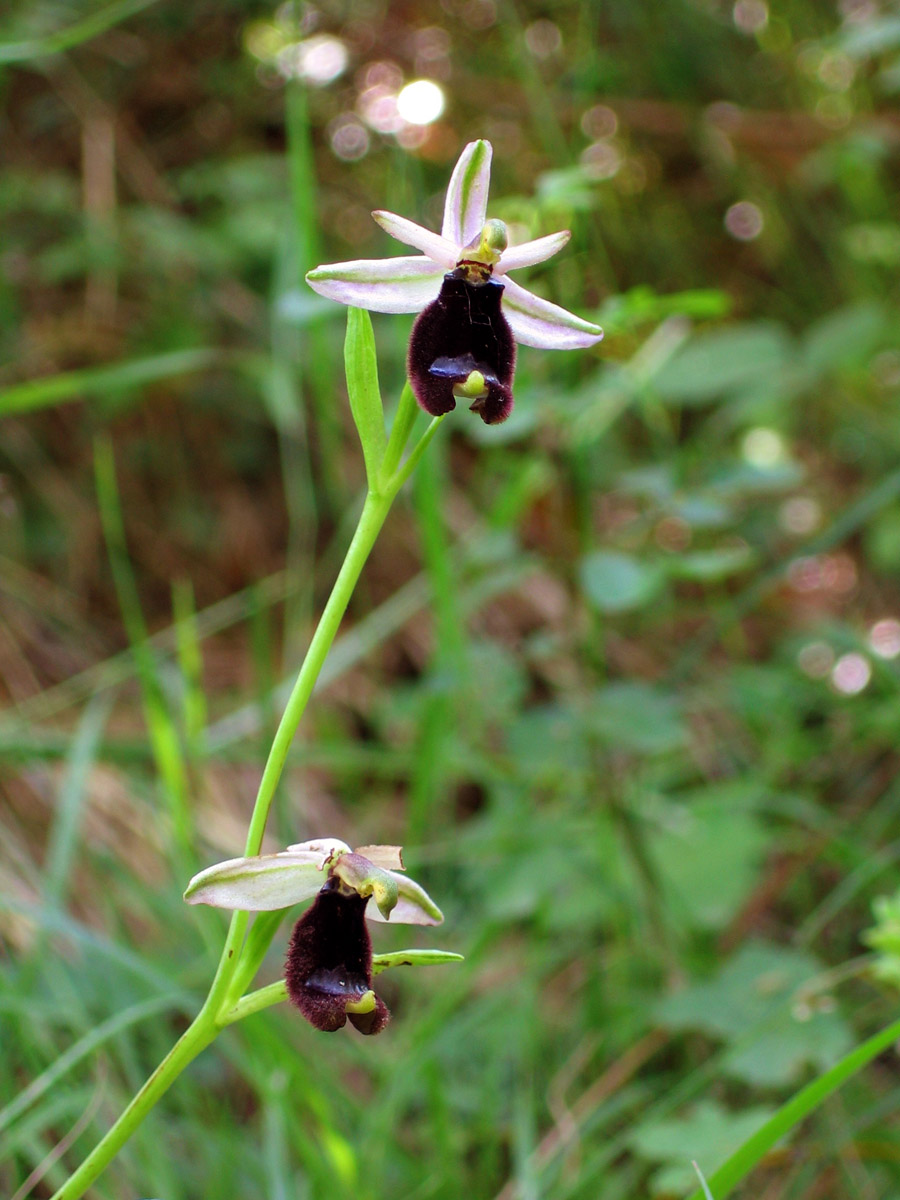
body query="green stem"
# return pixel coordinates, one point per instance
(194, 1039)
(235, 968)
(265, 997)
(794, 1111)
(378, 502)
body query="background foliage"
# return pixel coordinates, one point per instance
(622, 674)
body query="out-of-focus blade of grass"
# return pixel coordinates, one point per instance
(795, 1110)
(190, 659)
(73, 35)
(120, 667)
(63, 839)
(389, 617)
(552, 135)
(99, 381)
(282, 394)
(161, 729)
(319, 373)
(261, 650)
(33, 1137)
(298, 365)
(448, 669)
(85, 939)
(85, 1046)
(274, 1146)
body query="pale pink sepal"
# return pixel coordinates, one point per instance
(325, 849)
(414, 906)
(537, 322)
(387, 285)
(529, 253)
(263, 883)
(467, 195)
(390, 858)
(438, 249)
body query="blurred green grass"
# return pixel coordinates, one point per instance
(621, 673)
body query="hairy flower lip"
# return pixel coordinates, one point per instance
(408, 284)
(328, 969)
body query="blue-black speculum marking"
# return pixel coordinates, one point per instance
(462, 332)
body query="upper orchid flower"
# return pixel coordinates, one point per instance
(463, 343)
(329, 966)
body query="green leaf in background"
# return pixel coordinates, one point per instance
(361, 366)
(641, 306)
(615, 582)
(708, 853)
(99, 381)
(710, 566)
(847, 337)
(725, 361)
(757, 1003)
(707, 1134)
(884, 938)
(882, 540)
(637, 716)
(547, 743)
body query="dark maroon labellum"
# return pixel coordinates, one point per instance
(329, 963)
(462, 331)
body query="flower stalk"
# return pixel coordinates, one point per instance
(243, 952)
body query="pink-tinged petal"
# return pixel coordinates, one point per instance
(438, 249)
(387, 285)
(466, 205)
(530, 253)
(324, 849)
(414, 906)
(537, 322)
(388, 857)
(263, 883)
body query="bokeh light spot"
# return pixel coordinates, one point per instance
(421, 102)
(750, 16)
(543, 38)
(800, 515)
(763, 447)
(349, 138)
(601, 160)
(837, 72)
(480, 14)
(851, 673)
(884, 638)
(744, 221)
(318, 60)
(599, 122)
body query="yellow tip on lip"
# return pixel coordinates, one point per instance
(365, 1004)
(473, 387)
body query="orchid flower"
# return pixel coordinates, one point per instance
(472, 314)
(329, 966)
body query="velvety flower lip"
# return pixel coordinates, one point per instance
(461, 346)
(406, 285)
(328, 969)
(268, 882)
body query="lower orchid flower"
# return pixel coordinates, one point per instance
(329, 965)
(471, 314)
